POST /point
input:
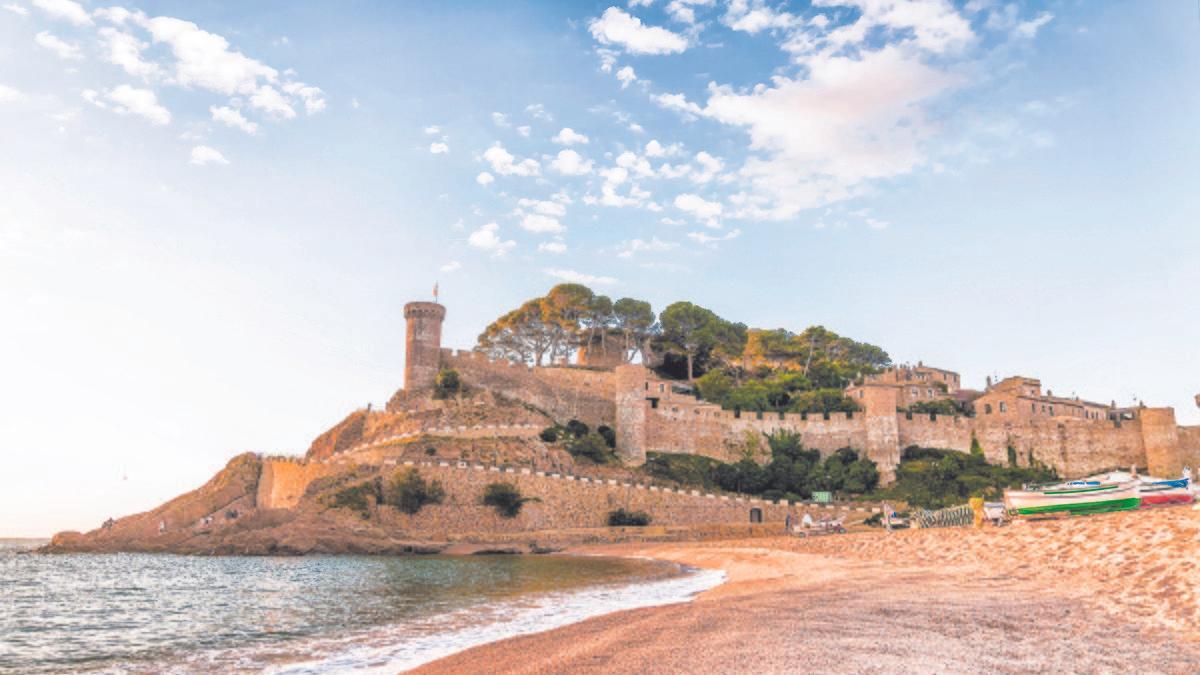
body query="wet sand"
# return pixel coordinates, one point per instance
(1113, 593)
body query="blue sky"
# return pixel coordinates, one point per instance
(211, 214)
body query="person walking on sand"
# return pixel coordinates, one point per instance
(887, 517)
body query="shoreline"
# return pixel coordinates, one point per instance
(907, 602)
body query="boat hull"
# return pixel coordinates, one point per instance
(1103, 499)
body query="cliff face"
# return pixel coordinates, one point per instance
(344, 435)
(223, 518)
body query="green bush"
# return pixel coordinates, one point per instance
(933, 478)
(549, 434)
(941, 406)
(591, 447)
(609, 436)
(357, 498)
(577, 429)
(447, 384)
(505, 498)
(623, 518)
(407, 491)
(690, 470)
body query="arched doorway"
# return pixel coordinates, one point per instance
(756, 515)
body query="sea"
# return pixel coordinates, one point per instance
(156, 613)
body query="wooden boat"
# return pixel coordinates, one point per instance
(1165, 492)
(1081, 499)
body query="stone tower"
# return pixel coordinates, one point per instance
(422, 344)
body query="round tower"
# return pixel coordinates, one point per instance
(422, 344)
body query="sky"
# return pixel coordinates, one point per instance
(212, 214)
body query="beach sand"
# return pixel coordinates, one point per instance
(1111, 593)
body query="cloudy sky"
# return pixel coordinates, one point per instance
(211, 214)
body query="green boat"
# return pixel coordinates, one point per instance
(1082, 499)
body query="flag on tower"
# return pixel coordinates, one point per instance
(435, 291)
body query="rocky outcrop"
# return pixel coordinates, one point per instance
(343, 436)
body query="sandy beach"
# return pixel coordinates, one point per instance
(1111, 593)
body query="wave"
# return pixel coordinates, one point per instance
(408, 645)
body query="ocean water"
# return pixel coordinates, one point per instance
(133, 613)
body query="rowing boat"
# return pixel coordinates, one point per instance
(1080, 499)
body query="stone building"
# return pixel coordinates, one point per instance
(913, 384)
(1022, 397)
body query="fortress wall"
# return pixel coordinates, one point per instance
(283, 481)
(568, 502)
(1189, 446)
(563, 392)
(722, 434)
(1073, 447)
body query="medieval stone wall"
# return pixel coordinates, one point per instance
(562, 501)
(562, 392)
(1189, 443)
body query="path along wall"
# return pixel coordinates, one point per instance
(563, 392)
(562, 501)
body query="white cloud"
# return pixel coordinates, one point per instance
(571, 163)
(125, 50)
(433, 130)
(233, 118)
(118, 15)
(709, 167)
(877, 224)
(538, 111)
(65, 9)
(141, 102)
(569, 136)
(312, 97)
(678, 103)
(552, 247)
(503, 163)
(636, 128)
(524, 130)
(627, 76)
(17, 9)
(269, 100)
(205, 60)
(1029, 29)
(711, 240)
(10, 94)
(203, 155)
(579, 277)
(92, 96)
(699, 207)
(439, 148)
(672, 221)
(65, 50)
(552, 207)
(452, 266)
(654, 245)
(500, 119)
(615, 27)
(668, 170)
(636, 165)
(656, 149)
(487, 238)
(484, 178)
(851, 120)
(537, 222)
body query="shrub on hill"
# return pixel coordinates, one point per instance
(505, 498)
(942, 406)
(447, 385)
(577, 429)
(408, 491)
(623, 518)
(357, 497)
(691, 470)
(933, 478)
(549, 434)
(591, 447)
(609, 436)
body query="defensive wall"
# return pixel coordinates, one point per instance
(563, 501)
(654, 417)
(562, 392)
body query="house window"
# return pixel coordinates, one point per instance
(661, 387)
(1003, 407)
(1051, 411)
(1033, 407)
(929, 393)
(987, 408)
